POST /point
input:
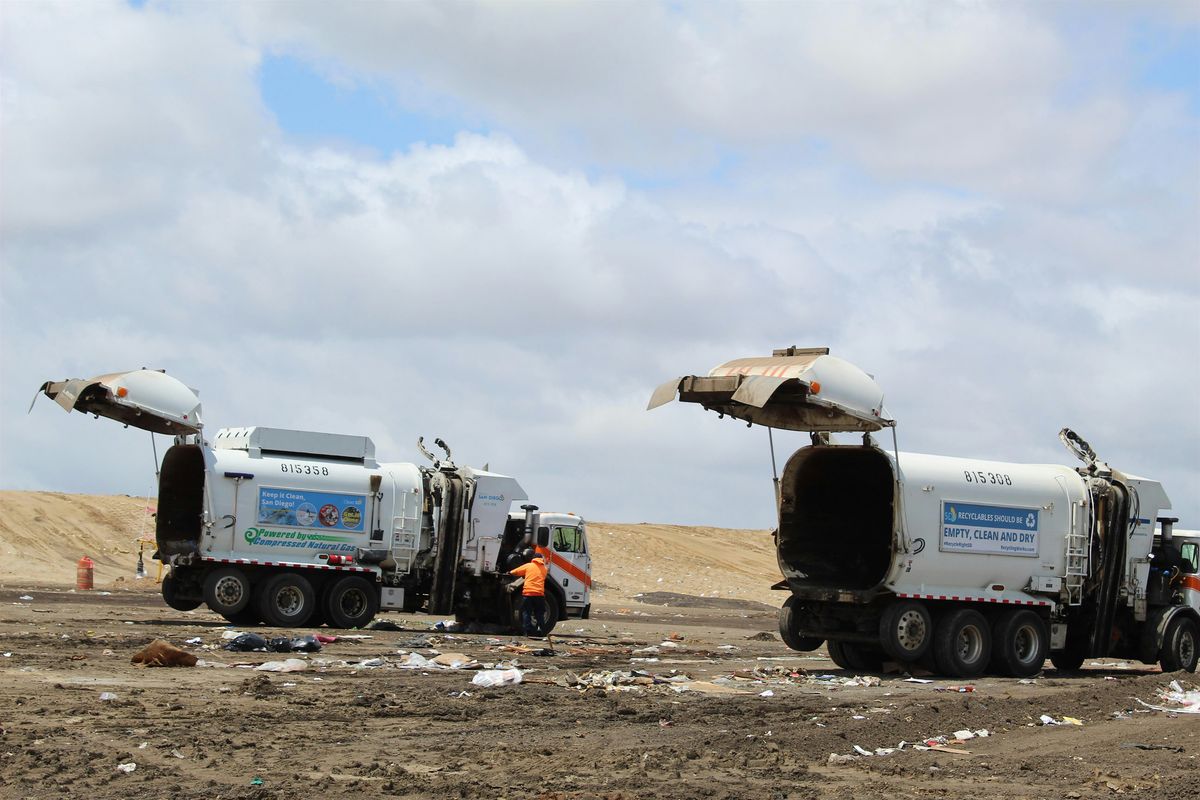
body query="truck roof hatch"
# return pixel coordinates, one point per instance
(144, 398)
(794, 389)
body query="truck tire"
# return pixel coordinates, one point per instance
(286, 600)
(906, 630)
(587, 612)
(854, 657)
(1067, 660)
(962, 644)
(351, 602)
(227, 590)
(1181, 645)
(789, 625)
(1020, 642)
(173, 598)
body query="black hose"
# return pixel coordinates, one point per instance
(1116, 540)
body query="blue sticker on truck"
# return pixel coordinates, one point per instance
(299, 508)
(998, 530)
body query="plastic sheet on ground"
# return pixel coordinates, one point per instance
(287, 665)
(497, 677)
(1175, 700)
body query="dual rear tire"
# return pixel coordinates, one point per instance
(290, 600)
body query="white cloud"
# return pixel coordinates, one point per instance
(1039, 271)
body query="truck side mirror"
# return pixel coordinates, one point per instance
(543, 536)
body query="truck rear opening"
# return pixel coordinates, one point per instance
(180, 501)
(836, 518)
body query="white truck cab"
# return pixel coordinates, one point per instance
(568, 557)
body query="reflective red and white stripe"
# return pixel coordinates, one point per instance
(293, 564)
(966, 598)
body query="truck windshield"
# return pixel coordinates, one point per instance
(568, 539)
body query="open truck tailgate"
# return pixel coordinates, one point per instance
(145, 398)
(793, 389)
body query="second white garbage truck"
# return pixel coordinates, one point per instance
(304, 528)
(962, 564)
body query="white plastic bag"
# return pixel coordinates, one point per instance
(497, 677)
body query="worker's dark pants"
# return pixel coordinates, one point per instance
(533, 614)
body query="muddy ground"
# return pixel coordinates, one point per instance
(339, 730)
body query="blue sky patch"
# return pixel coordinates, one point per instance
(359, 113)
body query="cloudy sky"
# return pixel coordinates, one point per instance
(505, 224)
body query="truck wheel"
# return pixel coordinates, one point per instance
(587, 612)
(854, 657)
(1181, 645)
(173, 598)
(789, 624)
(906, 630)
(286, 600)
(227, 590)
(1067, 660)
(1019, 643)
(962, 644)
(351, 602)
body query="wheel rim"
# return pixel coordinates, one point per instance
(353, 602)
(289, 601)
(1026, 643)
(1187, 647)
(969, 644)
(229, 591)
(911, 630)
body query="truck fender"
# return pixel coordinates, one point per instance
(1155, 628)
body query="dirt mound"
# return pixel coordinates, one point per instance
(699, 561)
(692, 601)
(43, 535)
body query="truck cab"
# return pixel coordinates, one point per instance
(568, 557)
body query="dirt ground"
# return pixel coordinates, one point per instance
(342, 728)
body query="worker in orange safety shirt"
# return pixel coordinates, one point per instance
(533, 591)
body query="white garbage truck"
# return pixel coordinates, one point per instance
(299, 528)
(962, 565)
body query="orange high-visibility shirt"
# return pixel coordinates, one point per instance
(534, 574)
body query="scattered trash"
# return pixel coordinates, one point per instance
(862, 751)
(767, 693)
(1027, 682)
(25, 597)
(1139, 746)
(917, 680)
(256, 781)
(161, 653)
(1180, 701)
(127, 768)
(835, 759)
(665, 723)
(497, 677)
(959, 689)
(283, 644)
(287, 665)
(106, 697)
(1046, 719)
(383, 625)
(244, 642)
(178, 754)
(448, 625)
(194, 640)
(325, 638)
(230, 634)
